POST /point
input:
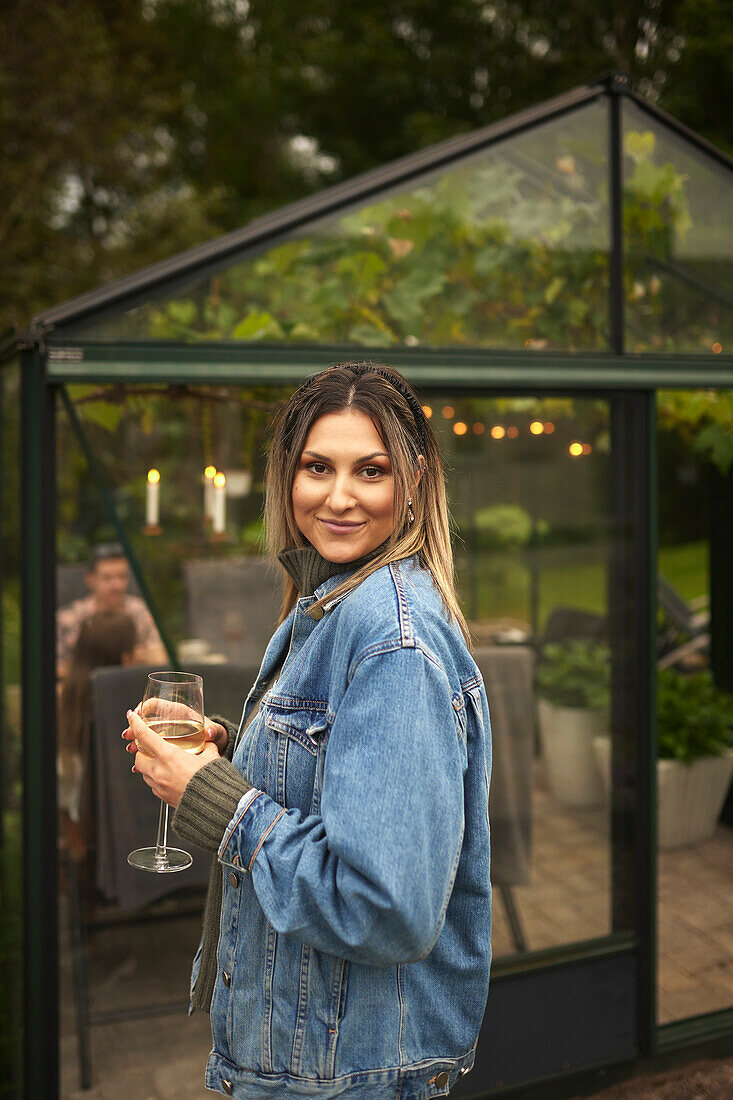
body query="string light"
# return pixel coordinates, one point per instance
(512, 432)
(427, 410)
(549, 427)
(479, 428)
(587, 448)
(717, 348)
(460, 428)
(537, 427)
(575, 449)
(448, 411)
(497, 432)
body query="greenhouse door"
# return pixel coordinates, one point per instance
(553, 554)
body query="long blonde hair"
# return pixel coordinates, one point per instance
(382, 394)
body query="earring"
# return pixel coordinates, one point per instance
(410, 513)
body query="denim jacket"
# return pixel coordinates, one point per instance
(354, 949)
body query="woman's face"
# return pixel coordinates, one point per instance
(343, 490)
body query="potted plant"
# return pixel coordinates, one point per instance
(695, 756)
(573, 684)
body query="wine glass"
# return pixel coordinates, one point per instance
(173, 707)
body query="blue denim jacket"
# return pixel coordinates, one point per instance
(354, 949)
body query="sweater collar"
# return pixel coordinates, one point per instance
(309, 569)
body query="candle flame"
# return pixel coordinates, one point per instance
(153, 477)
(220, 481)
(210, 472)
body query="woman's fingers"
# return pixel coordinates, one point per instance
(217, 734)
(147, 741)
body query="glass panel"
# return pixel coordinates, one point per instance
(678, 221)
(509, 249)
(530, 492)
(216, 600)
(695, 768)
(11, 781)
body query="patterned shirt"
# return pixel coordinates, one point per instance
(70, 618)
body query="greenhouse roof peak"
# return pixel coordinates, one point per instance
(149, 281)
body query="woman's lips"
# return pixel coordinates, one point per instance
(340, 528)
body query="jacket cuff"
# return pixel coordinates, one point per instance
(208, 804)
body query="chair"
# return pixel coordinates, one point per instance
(508, 677)
(688, 630)
(125, 816)
(233, 604)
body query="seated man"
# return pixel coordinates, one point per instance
(107, 579)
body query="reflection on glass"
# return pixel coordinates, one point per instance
(530, 496)
(695, 767)
(678, 225)
(11, 791)
(509, 249)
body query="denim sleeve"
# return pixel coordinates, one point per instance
(369, 878)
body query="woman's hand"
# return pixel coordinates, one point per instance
(165, 768)
(213, 731)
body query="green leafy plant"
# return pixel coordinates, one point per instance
(575, 674)
(505, 526)
(694, 717)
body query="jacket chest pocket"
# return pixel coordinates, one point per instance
(292, 739)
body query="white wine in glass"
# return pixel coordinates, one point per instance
(173, 707)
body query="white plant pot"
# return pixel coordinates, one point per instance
(689, 797)
(567, 735)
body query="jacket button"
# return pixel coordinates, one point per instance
(226, 978)
(316, 613)
(441, 1079)
(228, 1087)
(233, 880)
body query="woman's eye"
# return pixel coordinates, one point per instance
(372, 471)
(316, 467)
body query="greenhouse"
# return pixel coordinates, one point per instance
(558, 287)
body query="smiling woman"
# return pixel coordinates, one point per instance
(349, 808)
(343, 490)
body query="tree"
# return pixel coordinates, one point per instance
(87, 174)
(133, 129)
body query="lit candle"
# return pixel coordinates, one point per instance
(209, 475)
(220, 504)
(152, 499)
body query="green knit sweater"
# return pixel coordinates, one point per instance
(212, 795)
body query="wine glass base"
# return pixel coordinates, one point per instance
(148, 859)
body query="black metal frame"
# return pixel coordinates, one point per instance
(38, 540)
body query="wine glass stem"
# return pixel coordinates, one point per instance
(161, 855)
